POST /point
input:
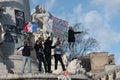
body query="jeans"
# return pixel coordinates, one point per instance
(72, 48)
(26, 59)
(48, 60)
(41, 58)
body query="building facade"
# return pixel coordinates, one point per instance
(13, 17)
(101, 61)
(13, 7)
(103, 66)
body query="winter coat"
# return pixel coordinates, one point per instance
(26, 51)
(58, 50)
(38, 48)
(71, 35)
(47, 47)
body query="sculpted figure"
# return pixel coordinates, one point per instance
(41, 17)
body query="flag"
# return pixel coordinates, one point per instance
(26, 27)
(30, 27)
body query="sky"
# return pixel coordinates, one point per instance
(100, 17)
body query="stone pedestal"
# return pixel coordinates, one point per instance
(14, 64)
(3, 69)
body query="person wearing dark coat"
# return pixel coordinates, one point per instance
(71, 38)
(47, 50)
(40, 55)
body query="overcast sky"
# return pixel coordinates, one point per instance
(100, 17)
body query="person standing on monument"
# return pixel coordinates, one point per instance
(40, 54)
(26, 52)
(47, 50)
(71, 38)
(58, 51)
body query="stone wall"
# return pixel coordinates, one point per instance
(98, 61)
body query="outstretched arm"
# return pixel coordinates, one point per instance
(78, 32)
(20, 49)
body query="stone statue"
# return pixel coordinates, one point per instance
(41, 17)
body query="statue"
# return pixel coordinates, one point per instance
(42, 18)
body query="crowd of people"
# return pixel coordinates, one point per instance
(43, 52)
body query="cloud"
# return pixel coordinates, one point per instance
(49, 4)
(101, 30)
(75, 16)
(110, 7)
(94, 19)
(78, 9)
(35, 1)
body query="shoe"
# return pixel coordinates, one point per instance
(46, 71)
(49, 71)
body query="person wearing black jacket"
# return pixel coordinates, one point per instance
(26, 52)
(40, 55)
(47, 50)
(71, 38)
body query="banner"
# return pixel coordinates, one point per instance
(60, 27)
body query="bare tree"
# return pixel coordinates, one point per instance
(89, 44)
(84, 43)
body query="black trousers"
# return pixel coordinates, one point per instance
(41, 58)
(48, 60)
(59, 58)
